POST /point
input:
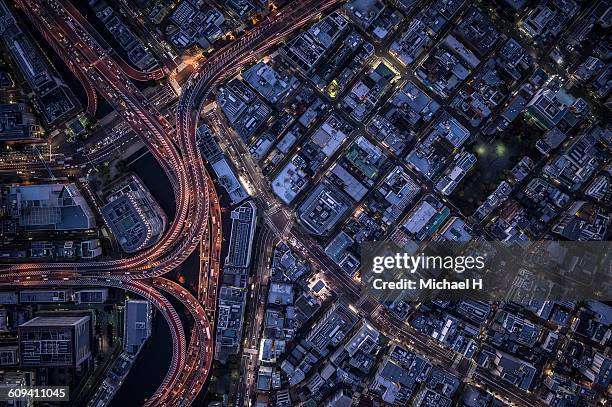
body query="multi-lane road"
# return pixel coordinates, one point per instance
(144, 290)
(83, 50)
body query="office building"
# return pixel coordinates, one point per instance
(134, 216)
(50, 207)
(91, 296)
(229, 322)
(137, 325)
(55, 100)
(332, 328)
(42, 296)
(17, 124)
(244, 219)
(55, 341)
(323, 208)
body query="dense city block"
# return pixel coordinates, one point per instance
(187, 188)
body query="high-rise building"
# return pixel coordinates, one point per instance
(55, 341)
(40, 296)
(137, 324)
(332, 328)
(244, 219)
(91, 296)
(134, 216)
(91, 248)
(54, 98)
(342, 398)
(17, 123)
(229, 322)
(50, 207)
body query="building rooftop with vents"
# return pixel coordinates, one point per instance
(134, 216)
(244, 219)
(50, 207)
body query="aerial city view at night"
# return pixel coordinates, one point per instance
(278, 203)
